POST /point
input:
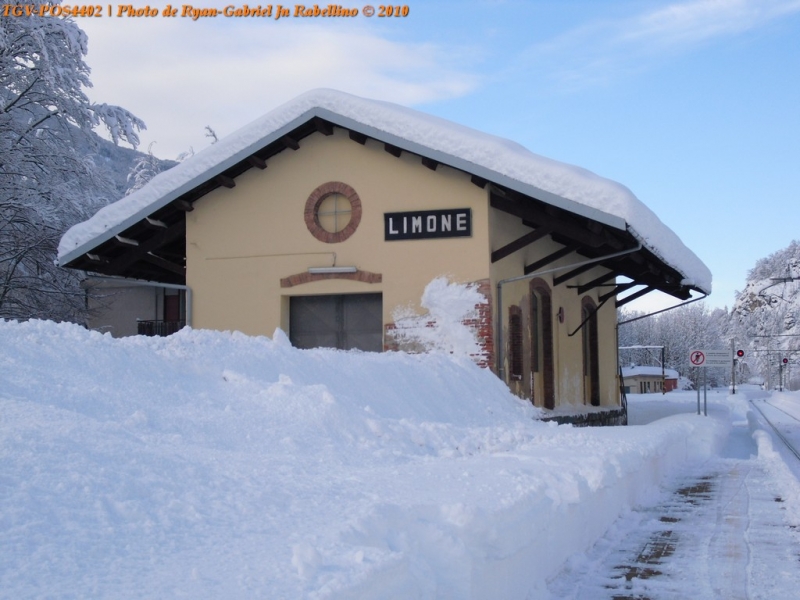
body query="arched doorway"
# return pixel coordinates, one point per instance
(591, 359)
(542, 376)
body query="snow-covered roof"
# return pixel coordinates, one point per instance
(649, 371)
(493, 158)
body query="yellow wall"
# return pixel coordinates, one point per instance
(568, 351)
(240, 242)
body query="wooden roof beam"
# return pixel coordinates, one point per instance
(124, 241)
(520, 243)
(225, 181)
(393, 150)
(634, 296)
(590, 285)
(357, 137)
(183, 205)
(323, 126)
(533, 267)
(155, 224)
(479, 181)
(430, 163)
(574, 273)
(96, 259)
(151, 244)
(618, 290)
(257, 162)
(562, 226)
(164, 264)
(290, 142)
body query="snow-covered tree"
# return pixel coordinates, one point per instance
(48, 179)
(144, 169)
(766, 318)
(680, 331)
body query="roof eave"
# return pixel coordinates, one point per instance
(370, 131)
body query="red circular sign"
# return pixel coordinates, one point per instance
(697, 358)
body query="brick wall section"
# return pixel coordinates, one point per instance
(482, 325)
(306, 277)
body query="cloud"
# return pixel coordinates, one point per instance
(603, 50)
(181, 75)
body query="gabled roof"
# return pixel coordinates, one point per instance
(146, 228)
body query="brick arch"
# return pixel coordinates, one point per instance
(311, 216)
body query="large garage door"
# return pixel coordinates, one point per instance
(347, 322)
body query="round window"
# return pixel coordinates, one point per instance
(333, 212)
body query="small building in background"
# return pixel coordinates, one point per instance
(649, 380)
(124, 307)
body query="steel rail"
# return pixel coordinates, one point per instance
(780, 435)
(783, 411)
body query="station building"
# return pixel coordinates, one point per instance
(329, 213)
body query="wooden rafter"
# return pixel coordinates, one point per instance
(323, 126)
(151, 244)
(164, 264)
(183, 205)
(430, 163)
(257, 162)
(618, 289)
(568, 229)
(634, 296)
(520, 243)
(479, 181)
(357, 137)
(535, 266)
(393, 150)
(573, 273)
(290, 142)
(225, 181)
(590, 285)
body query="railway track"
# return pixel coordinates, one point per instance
(777, 431)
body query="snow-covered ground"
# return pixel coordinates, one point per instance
(213, 465)
(724, 528)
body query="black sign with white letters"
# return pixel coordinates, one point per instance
(427, 224)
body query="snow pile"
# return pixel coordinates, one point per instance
(444, 327)
(211, 465)
(498, 159)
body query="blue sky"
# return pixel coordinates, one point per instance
(692, 104)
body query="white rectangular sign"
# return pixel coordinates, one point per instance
(711, 358)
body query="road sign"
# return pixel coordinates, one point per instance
(711, 358)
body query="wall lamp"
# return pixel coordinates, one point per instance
(323, 270)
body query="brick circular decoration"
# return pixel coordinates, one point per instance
(313, 203)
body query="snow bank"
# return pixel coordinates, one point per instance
(498, 159)
(211, 465)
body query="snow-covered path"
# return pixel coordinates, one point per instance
(722, 530)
